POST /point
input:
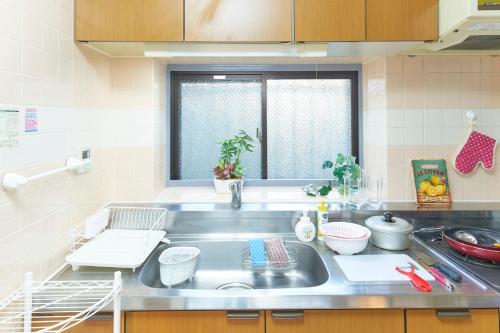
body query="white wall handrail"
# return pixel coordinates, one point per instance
(12, 181)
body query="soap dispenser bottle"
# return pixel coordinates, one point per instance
(305, 229)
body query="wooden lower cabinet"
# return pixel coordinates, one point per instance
(191, 322)
(317, 321)
(448, 321)
(339, 321)
(99, 324)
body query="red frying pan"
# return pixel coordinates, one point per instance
(485, 250)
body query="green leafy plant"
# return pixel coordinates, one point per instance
(344, 166)
(314, 190)
(229, 165)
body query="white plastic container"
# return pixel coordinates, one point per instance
(305, 229)
(177, 264)
(348, 246)
(344, 230)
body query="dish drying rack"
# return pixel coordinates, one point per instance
(272, 261)
(117, 236)
(55, 306)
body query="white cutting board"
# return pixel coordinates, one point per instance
(116, 248)
(378, 267)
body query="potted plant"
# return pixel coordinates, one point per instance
(229, 168)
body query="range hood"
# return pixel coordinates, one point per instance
(467, 26)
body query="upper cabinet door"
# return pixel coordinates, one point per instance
(401, 20)
(129, 20)
(329, 20)
(238, 20)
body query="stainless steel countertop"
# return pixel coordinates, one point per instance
(336, 293)
(198, 222)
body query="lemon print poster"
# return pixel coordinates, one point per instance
(488, 4)
(431, 181)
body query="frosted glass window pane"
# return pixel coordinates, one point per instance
(309, 121)
(211, 111)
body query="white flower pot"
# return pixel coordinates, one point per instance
(222, 186)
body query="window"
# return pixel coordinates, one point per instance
(299, 119)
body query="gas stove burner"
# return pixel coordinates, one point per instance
(473, 260)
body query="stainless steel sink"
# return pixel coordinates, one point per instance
(220, 267)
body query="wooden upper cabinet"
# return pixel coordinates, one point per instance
(329, 20)
(238, 20)
(401, 20)
(191, 322)
(129, 20)
(478, 320)
(328, 321)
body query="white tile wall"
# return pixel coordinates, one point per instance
(425, 99)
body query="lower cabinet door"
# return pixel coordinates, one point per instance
(99, 323)
(336, 321)
(452, 321)
(195, 322)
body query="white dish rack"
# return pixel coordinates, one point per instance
(55, 306)
(118, 237)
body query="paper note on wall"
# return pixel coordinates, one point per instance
(9, 128)
(30, 120)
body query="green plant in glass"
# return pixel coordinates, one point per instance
(229, 165)
(344, 166)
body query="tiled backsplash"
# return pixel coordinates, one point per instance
(414, 107)
(41, 67)
(83, 99)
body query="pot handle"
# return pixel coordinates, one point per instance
(388, 217)
(429, 229)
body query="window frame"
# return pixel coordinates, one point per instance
(177, 73)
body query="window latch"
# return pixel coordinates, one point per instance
(258, 135)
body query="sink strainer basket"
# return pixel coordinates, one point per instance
(177, 264)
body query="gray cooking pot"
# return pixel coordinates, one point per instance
(389, 232)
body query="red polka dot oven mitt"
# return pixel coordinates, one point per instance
(478, 149)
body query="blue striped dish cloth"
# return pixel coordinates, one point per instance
(256, 248)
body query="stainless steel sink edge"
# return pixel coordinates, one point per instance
(220, 266)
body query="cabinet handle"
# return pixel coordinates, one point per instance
(453, 313)
(242, 315)
(101, 317)
(283, 315)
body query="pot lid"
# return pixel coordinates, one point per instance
(388, 223)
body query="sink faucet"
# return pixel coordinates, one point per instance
(236, 193)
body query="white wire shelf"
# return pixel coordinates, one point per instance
(55, 306)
